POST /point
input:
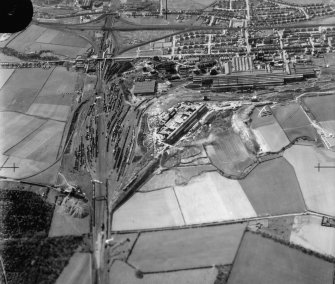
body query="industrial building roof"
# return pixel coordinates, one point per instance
(145, 87)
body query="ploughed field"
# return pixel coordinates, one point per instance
(322, 106)
(272, 188)
(37, 38)
(261, 260)
(207, 197)
(294, 121)
(269, 134)
(308, 232)
(228, 153)
(186, 255)
(33, 117)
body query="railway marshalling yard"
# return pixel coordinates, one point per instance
(185, 186)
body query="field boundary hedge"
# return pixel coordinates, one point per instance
(304, 250)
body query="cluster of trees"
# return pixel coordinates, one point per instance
(295, 246)
(38, 260)
(28, 56)
(23, 214)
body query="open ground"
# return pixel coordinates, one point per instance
(186, 248)
(317, 187)
(263, 261)
(322, 106)
(77, 271)
(294, 121)
(122, 273)
(273, 188)
(37, 38)
(229, 154)
(308, 232)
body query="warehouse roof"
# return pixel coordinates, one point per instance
(145, 87)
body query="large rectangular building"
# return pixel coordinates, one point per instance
(145, 88)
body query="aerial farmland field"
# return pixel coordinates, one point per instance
(60, 82)
(317, 186)
(186, 4)
(211, 197)
(15, 127)
(24, 39)
(273, 188)
(294, 121)
(229, 154)
(63, 224)
(41, 145)
(186, 248)
(37, 38)
(322, 107)
(308, 232)
(271, 138)
(257, 120)
(175, 176)
(263, 261)
(18, 97)
(145, 210)
(159, 181)
(56, 112)
(77, 270)
(61, 38)
(4, 75)
(122, 273)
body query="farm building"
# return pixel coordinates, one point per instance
(145, 88)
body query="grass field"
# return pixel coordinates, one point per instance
(61, 38)
(185, 174)
(121, 273)
(294, 121)
(154, 209)
(47, 36)
(229, 154)
(328, 125)
(152, 20)
(26, 167)
(47, 176)
(211, 197)
(57, 112)
(63, 224)
(61, 81)
(258, 121)
(4, 76)
(79, 270)
(36, 38)
(16, 96)
(308, 232)
(41, 145)
(271, 138)
(197, 162)
(280, 227)
(15, 126)
(186, 4)
(158, 181)
(273, 188)
(176, 176)
(60, 50)
(63, 100)
(263, 261)
(25, 38)
(186, 248)
(317, 187)
(322, 107)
